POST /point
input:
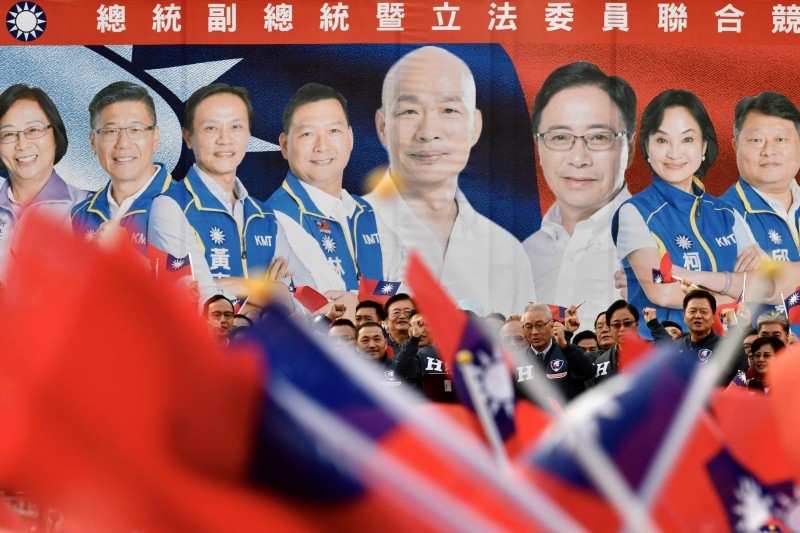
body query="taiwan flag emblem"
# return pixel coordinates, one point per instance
(323, 226)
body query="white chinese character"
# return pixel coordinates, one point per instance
(334, 17)
(390, 16)
(615, 17)
(781, 254)
(167, 18)
(729, 19)
(111, 18)
(503, 17)
(220, 258)
(440, 11)
(558, 16)
(222, 17)
(278, 18)
(336, 264)
(691, 260)
(672, 18)
(786, 19)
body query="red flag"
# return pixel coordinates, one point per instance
(559, 313)
(633, 350)
(376, 290)
(310, 298)
(717, 325)
(784, 395)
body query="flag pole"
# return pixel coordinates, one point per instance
(785, 311)
(464, 360)
(191, 265)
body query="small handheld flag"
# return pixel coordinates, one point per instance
(376, 290)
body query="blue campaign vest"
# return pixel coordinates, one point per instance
(89, 214)
(695, 229)
(771, 231)
(350, 262)
(229, 250)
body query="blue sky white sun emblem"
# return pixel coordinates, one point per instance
(26, 21)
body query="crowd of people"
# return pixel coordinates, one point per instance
(598, 243)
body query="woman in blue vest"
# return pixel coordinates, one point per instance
(708, 243)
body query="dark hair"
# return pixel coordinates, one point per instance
(621, 304)
(750, 331)
(396, 298)
(120, 91)
(371, 304)
(601, 313)
(246, 318)
(766, 103)
(583, 335)
(653, 116)
(20, 91)
(671, 324)
(370, 325)
(308, 94)
(343, 322)
(584, 74)
(499, 316)
(775, 342)
(215, 298)
(210, 90)
(700, 293)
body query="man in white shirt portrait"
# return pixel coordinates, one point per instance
(428, 123)
(572, 256)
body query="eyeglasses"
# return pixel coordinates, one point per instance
(597, 142)
(762, 355)
(34, 132)
(513, 340)
(627, 324)
(538, 326)
(112, 134)
(218, 315)
(405, 312)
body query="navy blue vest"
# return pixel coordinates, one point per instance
(89, 214)
(229, 250)
(695, 229)
(350, 261)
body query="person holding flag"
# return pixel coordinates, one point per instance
(674, 215)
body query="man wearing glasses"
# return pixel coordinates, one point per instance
(218, 312)
(584, 123)
(550, 355)
(399, 309)
(124, 137)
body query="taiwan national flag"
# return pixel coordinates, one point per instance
(793, 306)
(166, 266)
(718, 320)
(239, 303)
(376, 290)
(456, 333)
(629, 417)
(663, 274)
(330, 433)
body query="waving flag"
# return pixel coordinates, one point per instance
(310, 298)
(792, 303)
(239, 303)
(663, 274)
(376, 290)
(717, 324)
(559, 313)
(166, 266)
(455, 332)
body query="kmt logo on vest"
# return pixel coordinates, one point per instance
(26, 21)
(704, 354)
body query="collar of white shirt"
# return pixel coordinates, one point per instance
(118, 211)
(777, 206)
(239, 191)
(329, 204)
(551, 222)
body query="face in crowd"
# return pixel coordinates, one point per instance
(513, 336)
(604, 338)
(621, 323)
(219, 318)
(372, 342)
(676, 150)
(398, 318)
(698, 316)
(538, 327)
(767, 152)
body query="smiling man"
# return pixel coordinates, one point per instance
(766, 137)
(124, 136)
(584, 122)
(428, 124)
(333, 232)
(209, 214)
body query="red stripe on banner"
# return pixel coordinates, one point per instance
(452, 21)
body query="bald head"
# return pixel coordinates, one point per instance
(428, 122)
